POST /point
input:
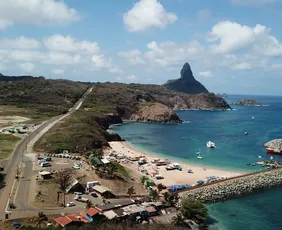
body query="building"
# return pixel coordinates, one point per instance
(103, 191)
(77, 219)
(115, 205)
(45, 175)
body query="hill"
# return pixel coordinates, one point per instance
(186, 83)
(111, 103)
(44, 97)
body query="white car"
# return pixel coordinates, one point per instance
(71, 204)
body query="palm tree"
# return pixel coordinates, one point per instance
(154, 195)
(160, 187)
(131, 191)
(178, 220)
(41, 219)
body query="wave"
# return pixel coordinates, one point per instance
(186, 122)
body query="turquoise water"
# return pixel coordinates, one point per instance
(234, 150)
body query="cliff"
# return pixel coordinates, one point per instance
(154, 112)
(248, 102)
(186, 83)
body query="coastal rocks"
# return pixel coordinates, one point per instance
(186, 83)
(197, 102)
(274, 146)
(248, 102)
(154, 112)
(236, 187)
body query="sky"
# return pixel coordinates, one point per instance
(233, 46)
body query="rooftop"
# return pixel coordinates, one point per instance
(101, 189)
(114, 205)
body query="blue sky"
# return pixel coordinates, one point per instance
(233, 46)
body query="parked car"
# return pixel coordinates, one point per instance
(78, 193)
(16, 224)
(45, 164)
(71, 204)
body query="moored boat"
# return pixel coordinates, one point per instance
(210, 144)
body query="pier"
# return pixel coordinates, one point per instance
(235, 187)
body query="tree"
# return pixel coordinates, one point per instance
(64, 179)
(194, 209)
(41, 219)
(130, 191)
(89, 204)
(160, 187)
(178, 220)
(154, 194)
(171, 199)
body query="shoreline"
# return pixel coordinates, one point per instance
(173, 177)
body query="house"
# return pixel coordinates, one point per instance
(151, 211)
(133, 209)
(71, 220)
(77, 219)
(103, 191)
(110, 214)
(72, 186)
(105, 161)
(45, 175)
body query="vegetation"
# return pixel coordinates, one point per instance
(171, 199)
(48, 97)
(8, 143)
(131, 191)
(113, 170)
(154, 195)
(64, 179)
(89, 204)
(194, 210)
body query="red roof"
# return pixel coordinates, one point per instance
(92, 211)
(65, 220)
(150, 209)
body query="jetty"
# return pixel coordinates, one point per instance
(235, 187)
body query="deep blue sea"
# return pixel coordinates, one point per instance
(234, 150)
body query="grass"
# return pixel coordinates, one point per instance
(8, 143)
(120, 169)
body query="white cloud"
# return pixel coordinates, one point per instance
(206, 74)
(276, 66)
(19, 43)
(101, 62)
(233, 36)
(58, 71)
(171, 53)
(254, 2)
(241, 66)
(25, 55)
(36, 12)
(229, 37)
(131, 78)
(69, 44)
(115, 70)
(27, 67)
(148, 14)
(57, 58)
(132, 56)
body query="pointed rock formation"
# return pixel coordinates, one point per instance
(186, 83)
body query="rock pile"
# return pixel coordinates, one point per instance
(236, 187)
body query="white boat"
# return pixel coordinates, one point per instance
(210, 144)
(198, 153)
(199, 157)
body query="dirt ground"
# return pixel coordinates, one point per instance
(7, 121)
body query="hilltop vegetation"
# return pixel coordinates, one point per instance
(44, 97)
(110, 103)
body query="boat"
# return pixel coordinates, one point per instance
(246, 133)
(199, 157)
(210, 144)
(199, 152)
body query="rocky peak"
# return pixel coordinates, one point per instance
(186, 73)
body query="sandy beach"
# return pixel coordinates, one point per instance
(173, 177)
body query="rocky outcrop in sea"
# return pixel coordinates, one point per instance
(236, 187)
(275, 144)
(248, 102)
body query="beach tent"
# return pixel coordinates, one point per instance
(186, 186)
(144, 178)
(172, 188)
(148, 183)
(190, 171)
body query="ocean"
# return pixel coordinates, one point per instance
(234, 151)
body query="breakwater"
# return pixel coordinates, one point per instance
(235, 187)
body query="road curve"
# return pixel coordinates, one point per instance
(18, 154)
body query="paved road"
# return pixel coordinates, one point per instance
(22, 199)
